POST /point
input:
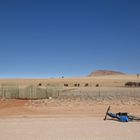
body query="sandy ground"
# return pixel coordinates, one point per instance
(65, 120)
(64, 108)
(71, 118)
(83, 128)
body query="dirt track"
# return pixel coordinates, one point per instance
(83, 128)
(65, 120)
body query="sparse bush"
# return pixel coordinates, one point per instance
(128, 84)
(40, 84)
(76, 85)
(66, 85)
(132, 84)
(86, 85)
(97, 85)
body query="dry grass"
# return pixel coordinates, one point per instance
(111, 81)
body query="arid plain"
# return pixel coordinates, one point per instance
(76, 114)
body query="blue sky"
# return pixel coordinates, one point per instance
(51, 38)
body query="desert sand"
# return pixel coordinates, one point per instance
(67, 120)
(76, 115)
(81, 128)
(105, 81)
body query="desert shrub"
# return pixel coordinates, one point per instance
(75, 85)
(97, 85)
(66, 85)
(128, 84)
(132, 84)
(86, 85)
(40, 84)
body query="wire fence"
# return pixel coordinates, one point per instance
(13, 91)
(103, 93)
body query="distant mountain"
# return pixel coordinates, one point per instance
(105, 72)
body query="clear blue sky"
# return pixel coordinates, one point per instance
(51, 38)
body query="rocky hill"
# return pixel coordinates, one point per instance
(105, 72)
